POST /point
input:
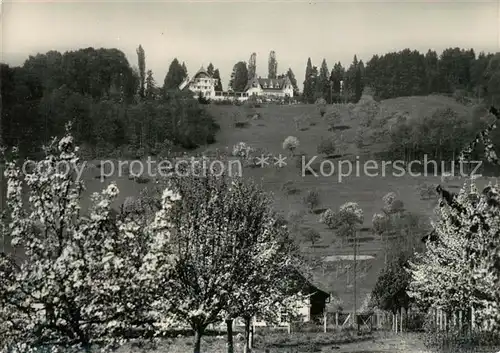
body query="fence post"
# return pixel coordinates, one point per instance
(324, 321)
(401, 322)
(337, 319)
(472, 318)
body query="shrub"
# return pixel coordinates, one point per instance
(426, 191)
(297, 120)
(380, 223)
(341, 143)
(203, 100)
(366, 110)
(241, 124)
(311, 235)
(352, 208)
(333, 119)
(392, 204)
(242, 150)
(460, 96)
(389, 198)
(141, 179)
(290, 188)
(360, 137)
(397, 206)
(327, 216)
(321, 104)
(344, 221)
(311, 199)
(239, 121)
(291, 143)
(326, 147)
(140, 153)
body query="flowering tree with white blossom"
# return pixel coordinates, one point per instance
(83, 281)
(267, 272)
(460, 269)
(229, 253)
(346, 220)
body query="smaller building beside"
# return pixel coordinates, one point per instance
(270, 88)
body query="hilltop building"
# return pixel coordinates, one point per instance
(271, 88)
(202, 84)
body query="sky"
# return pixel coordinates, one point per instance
(225, 32)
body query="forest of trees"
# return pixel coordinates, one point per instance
(406, 73)
(117, 107)
(114, 106)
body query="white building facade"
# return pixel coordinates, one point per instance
(202, 84)
(270, 88)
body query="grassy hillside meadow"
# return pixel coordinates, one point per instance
(269, 131)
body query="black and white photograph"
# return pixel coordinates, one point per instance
(249, 176)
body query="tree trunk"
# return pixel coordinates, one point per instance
(230, 344)
(401, 321)
(246, 347)
(198, 332)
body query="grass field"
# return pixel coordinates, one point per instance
(338, 342)
(276, 122)
(267, 133)
(341, 342)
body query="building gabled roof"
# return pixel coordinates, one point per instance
(310, 284)
(271, 84)
(202, 73)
